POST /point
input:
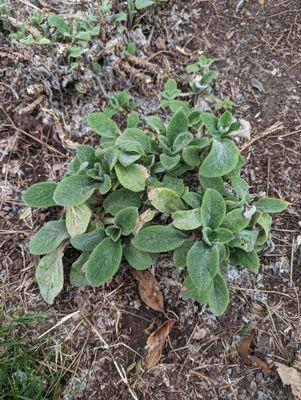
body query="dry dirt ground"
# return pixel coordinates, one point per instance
(102, 332)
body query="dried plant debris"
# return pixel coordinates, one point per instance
(290, 376)
(149, 290)
(156, 342)
(246, 353)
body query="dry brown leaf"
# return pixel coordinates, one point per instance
(244, 349)
(264, 366)
(261, 2)
(145, 217)
(149, 290)
(156, 342)
(290, 376)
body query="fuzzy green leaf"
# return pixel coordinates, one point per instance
(270, 205)
(103, 262)
(77, 275)
(191, 155)
(213, 209)
(121, 199)
(158, 239)
(77, 219)
(221, 235)
(87, 241)
(165, 200)
(181, 141)
(218, 299)
(155, 124)
(193, 199)
(103, 126)
(50, 275)
(249, 260)
(132, 177)
(187, 220)
(73, 190)
(108, 157)
(169, 162)
(221, 159)
(137, 259)
(40, 195)
(265, 221)
(190, 291)
(202, 262)
(141, 4)
(210, 121)
(245, 240)
(177, 124)
(213, 183)
(235, 221)
(133, 139)
(127, 220)
(127, 159)
(175, 184)
(105, 186)
(180, 254)
(240, 186)
(48, 238)
(86, 153)
(114, 232)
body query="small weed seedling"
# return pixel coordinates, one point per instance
(204, 76)
(133, 197)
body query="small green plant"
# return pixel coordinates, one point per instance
(204, 76)
(136, 195)
(55, 29)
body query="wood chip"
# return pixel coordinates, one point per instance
(156, 342)
(149, 290)
(145, 217)
(290, 376)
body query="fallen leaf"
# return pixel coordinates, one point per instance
(261, 2)
(156, 342)
(290, 376)
(244, 349)
(149, 291)
(145, 217)
(264, 366)
(244, 130)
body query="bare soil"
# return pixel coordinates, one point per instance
(248, 40)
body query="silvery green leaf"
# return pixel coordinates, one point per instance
(187, 220)
(177, 124)
(73, 190)
(87, 241)
(77, 274)
(50, 275)
(245, 240)
(180, 254)
(77, 219)
(165, 200)
(104, 261)
(127, 220)
(103, 126)
(213, 209)
(48, 238)
(202, 262)
(270, 205)
(120, 199)
(221, 159)
(132, 177)
(158, 239)
(40, 195)
(249, 260)
(235, 220)
(218, 299)
(137, 259)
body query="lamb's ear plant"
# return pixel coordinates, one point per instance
(157, 185)
(203, 75)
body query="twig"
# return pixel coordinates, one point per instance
(276, 127)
